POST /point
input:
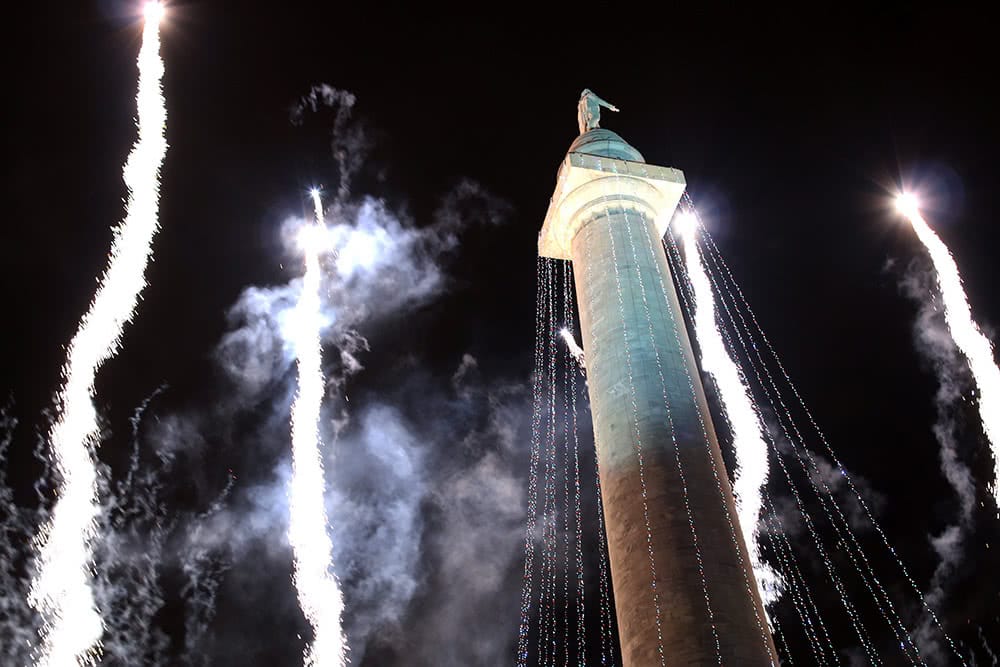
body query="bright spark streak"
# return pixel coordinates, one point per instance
(686, 224)
(976, 347)
(318, 590)
(908, 204)
(749, 444)
(574, 349)
(153, 12)
(61, 590)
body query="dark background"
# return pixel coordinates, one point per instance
(794, 131)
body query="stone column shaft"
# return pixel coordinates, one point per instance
(631, 417)
(674, 542)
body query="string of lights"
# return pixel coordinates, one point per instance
(548, 638)
(567, 372)
(527, 582)
(846, 538)
(839, 522)
(732, 285)
(568, 319)
(652, 247)
(749, 449)
(687, 297)
(678, 268)
(638, 448)
(604, 585)
(543, 590)
(778, 542)
(673, 256)
(561, 592)
(554, 551)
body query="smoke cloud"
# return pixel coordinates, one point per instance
(390, 466)
(424, 478)
(423, 487)
(936, 347)
(133, 555)
(349, 141)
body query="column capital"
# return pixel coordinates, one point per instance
(588, 185)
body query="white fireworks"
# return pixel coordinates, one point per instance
(574, 348)
(61, 590)
(318, 590)
(968, 338)
(749, 445)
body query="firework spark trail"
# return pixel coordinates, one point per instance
(61, 590)
(970, 340)
(749, 445)
(318, 589)
(574, 348)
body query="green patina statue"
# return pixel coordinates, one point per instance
(588, 111)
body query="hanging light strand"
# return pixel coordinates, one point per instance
(568, 323)
(567, 371)
(785, 561)
(651, 247)
(547, 635)
(857, 623)
(737, 293)
(678, 267)
(677, 264)
(527, 582)
(685, 292)
(638, 448)
(828, 564)
(840, 523)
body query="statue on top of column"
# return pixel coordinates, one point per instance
(588, 111)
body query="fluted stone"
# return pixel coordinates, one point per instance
(608, 215)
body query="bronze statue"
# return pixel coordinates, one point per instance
(588, 111)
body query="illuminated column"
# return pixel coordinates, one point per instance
(608, 215)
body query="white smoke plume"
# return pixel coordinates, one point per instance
(18, 622)
(986, 646)
(974, 345)
(384, 460)
(935, 345)
(138, 549)
(349, 142)
(395, 456)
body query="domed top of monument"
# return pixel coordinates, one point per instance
(605, 143)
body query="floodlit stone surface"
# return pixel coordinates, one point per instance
(608, 215)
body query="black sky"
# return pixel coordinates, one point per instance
(794, 129)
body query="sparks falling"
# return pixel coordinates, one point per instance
(61, 590)
(749, 445)
(318, 590)
(967, 336)
(574, 348)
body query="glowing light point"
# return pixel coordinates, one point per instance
(314, 238)
(908, 204)
(153, 12)
(686, 223)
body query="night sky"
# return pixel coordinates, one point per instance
(794, 133)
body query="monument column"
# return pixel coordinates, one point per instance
(674, 544)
